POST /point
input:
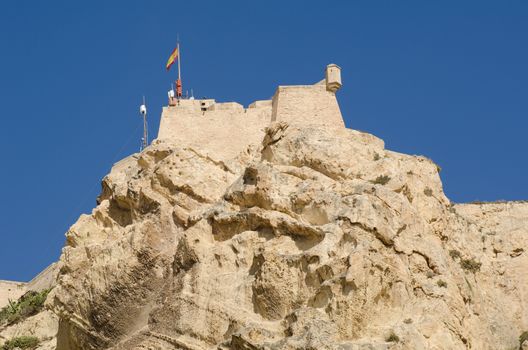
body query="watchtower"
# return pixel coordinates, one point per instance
(333, 77)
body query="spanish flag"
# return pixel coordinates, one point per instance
(172, 58)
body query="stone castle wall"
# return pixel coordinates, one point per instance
(10, 290)
(222, 128)
(307, 104)
(226, 129)
(44, 280)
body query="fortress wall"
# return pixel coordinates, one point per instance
(10, 290)
(227, 106)
(262, 113)
(224, 129)
(306, 104)
(44, 280)
(227, 128)
(261, 104)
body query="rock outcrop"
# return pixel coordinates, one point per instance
(43, 326)
(318, 238)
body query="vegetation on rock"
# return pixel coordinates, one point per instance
(22, 342)
(393, 338)
(381, 180)
(28, 305)
(522, 338)
(454, 254)
(470, 265)
(442, 283)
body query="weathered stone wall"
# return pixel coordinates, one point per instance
(307, 104)
(224, 129)
(44, 280)
(10, 290)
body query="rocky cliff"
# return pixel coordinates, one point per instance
(317, 238)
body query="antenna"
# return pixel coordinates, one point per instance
(143, 112)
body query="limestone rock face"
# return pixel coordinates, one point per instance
(316, 239)
(43, 326)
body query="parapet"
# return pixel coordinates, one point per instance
(227, 128)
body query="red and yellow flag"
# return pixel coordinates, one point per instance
(172, 58)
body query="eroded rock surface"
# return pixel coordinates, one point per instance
(316, 239)
(43, 326)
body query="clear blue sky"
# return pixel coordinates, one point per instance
(445, 79)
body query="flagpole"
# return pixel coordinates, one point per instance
(179, 87)
(179, 56)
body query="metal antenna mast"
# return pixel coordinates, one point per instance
(143, 112)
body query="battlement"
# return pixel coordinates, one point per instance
(227, 128)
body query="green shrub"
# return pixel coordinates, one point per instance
(381, 180)
(28, 305)
(454, 254)
(441, 283)
(393, 338)
(23, 342)
(470, 265)
(428, 192)
(376, 156)
(522, 338)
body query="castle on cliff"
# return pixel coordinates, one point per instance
(225, 129)
(228, 127)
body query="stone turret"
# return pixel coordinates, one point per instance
(333, 77)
